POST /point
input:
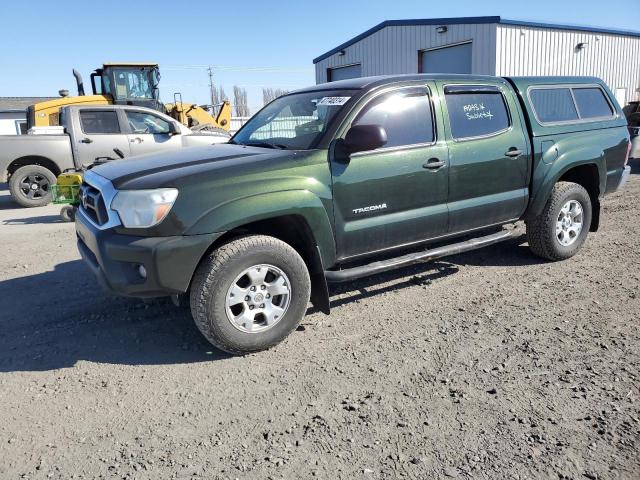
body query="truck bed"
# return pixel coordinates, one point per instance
(49, 148)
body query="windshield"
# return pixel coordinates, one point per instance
(133, 84)
(294, 122)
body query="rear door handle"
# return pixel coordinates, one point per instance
(513, 152)
(86, 140)
(433, 164)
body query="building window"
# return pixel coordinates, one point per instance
(21, 127)
(405, 115)
(343, 73)
(476, 114)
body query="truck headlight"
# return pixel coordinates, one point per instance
(143, 208)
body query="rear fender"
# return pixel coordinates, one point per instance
(547, 174)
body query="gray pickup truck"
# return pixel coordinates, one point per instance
(31, 163)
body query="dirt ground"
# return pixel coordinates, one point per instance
(488, 365)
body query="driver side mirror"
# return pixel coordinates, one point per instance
(362, 138)
(174, 129)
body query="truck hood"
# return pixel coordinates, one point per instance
(161, 169)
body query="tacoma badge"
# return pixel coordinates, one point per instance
(371, 208)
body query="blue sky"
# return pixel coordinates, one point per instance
(254, 43)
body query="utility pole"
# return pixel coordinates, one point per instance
(211, 87)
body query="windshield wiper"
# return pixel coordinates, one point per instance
(277, 146)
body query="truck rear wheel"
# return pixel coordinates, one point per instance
(562, 227)
(249, 294)
(30, 185)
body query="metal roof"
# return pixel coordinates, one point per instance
(472, 20)
(14, 104)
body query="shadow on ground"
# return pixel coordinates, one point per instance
(513, 252)
(54, 319)
(6, 200)
(34, 220)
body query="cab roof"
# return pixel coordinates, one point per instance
(519, 84)
(129, 64)
(361, 83)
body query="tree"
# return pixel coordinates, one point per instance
(240, 101)
(270, 94)
(217, 97)
(223, 96)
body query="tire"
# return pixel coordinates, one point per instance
(219, 312)
(68, 213)
(548, 235)
(30, 185)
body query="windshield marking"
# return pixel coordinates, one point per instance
(331, 101)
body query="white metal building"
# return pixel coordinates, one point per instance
(13, 114)
(489, 46)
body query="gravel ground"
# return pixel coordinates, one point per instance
(489, 365)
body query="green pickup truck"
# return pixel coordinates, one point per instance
(348, 179)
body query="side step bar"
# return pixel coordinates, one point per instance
(411, 258)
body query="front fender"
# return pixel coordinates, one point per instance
(549, 170)
(246, 210)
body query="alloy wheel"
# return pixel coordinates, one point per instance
(258, 298)
(569, 223)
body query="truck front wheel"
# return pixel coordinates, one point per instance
(249, 294)
(562, 227)
(30, 185)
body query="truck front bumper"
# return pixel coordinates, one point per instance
(116, 260)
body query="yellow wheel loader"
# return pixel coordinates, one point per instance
(130, 84)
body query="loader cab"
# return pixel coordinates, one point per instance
(128, 84)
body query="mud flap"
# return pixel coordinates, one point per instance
(595, 215)
(319, 287)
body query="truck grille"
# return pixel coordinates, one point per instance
(92, 204)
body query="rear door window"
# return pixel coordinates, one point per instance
(99, 121)
(554, 105)
(476, 113)
(405, 115)
(592, 103)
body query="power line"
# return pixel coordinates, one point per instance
(237, 68)
(244, 85)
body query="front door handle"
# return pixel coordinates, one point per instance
(433, 164)
(513, 152)
(86, 140)
(137, 140)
